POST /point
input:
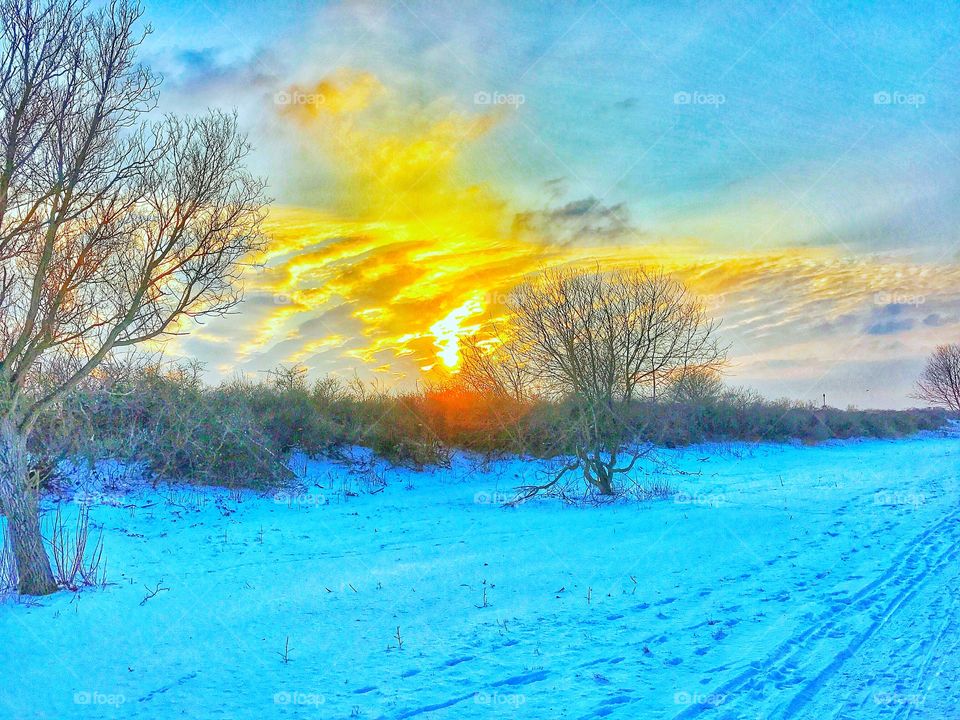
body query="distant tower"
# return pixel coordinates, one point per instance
(824, 399)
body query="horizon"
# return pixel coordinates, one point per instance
(794, 165)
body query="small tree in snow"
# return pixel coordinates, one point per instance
(602, 340)
(939, 383)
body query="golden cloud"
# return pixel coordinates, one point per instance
(410, 256)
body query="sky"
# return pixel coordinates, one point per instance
(796, 164)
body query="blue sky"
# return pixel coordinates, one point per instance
(824, 131)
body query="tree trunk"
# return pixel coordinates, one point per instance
(21, 504)
(604, 481)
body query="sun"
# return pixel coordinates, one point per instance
(448, 331)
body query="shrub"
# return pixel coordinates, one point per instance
(239, 433)
(166, 417)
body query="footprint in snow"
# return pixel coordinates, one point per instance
(456, 661)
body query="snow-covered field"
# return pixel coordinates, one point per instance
(778, 582)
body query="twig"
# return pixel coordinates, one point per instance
(285, 655)
(153, 593)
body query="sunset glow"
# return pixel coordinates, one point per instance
(420, 173)
(446, 359)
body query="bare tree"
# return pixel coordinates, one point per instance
(113, 231)
(939, 383)
(696, 386)
(612, 336)
(605, 339)
(496, 366)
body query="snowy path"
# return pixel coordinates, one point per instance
(858, 635)
(780, 582)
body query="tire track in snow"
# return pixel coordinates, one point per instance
(880, 600)
(910, 650)
(515, 681)
(906, 710)
(949, 653)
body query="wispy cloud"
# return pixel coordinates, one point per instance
(817, 221)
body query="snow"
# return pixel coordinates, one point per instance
(777, 581)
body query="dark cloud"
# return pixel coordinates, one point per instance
(890, 319)
(584, 221)
(890, 327)
(936, 320)
(198, 73)
(198, 61)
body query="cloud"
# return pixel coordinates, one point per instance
(404, 252)
(890, 327)
(583, 221)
